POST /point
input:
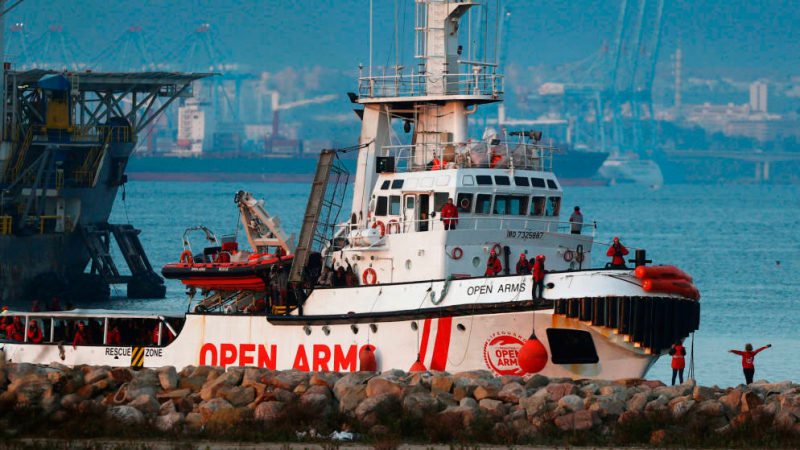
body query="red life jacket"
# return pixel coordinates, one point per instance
(15, 331)
(113, 337)
(538, 271)
(35, 335)
(450, 214)
(678, 360)
(617, 252)
(493, 266)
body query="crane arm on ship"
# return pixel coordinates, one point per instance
(262, 229)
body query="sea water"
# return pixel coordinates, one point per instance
(739, 242)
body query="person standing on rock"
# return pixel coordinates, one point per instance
(748, 355)
(678, 353)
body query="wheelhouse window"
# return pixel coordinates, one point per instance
(439, 200)
(553, 206)
(382, 206)
(537, 206)
(514, 205)
(522, 181)
(552, 184)
(501, 180)
(484, 180)
(537, 182)
(483, 204)
(394, 205)
(410, 202)
(397, 184)
(465, 202)
(571, 346)
(467, 180)
(385, 185)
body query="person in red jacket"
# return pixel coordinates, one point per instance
(617, 252)
(166, 339)
(538, 277)
(81, 336)
(16, 331)
(748, 355)
(523, 266)
(450, 215)
(34, 333)
(678, 353)
(493, 266)
(113, 337)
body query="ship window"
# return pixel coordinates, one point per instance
(514, 205)
(537, 182)
(484, 180)
(522, 181)
(385, 185)
(553, 206)
(464, 202)
(412, 183)
(427, 182)
(382, 206)
(483, 204)
(571, 346)
(502, 180)
(410, 202)
(394, 205)
(397, 184)
(443, 181)
(552, 184)
(537, 206)
(439, 200)
(467, 180)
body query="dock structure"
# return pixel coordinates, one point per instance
(66, 140)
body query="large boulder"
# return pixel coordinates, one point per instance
(287, 380)
(269, 411)
(317, 400)
(733, 400)
(750, 401)
(571, 402)
(327, 379)
(237, 395)
(512, 392)
(681, 408)
(208, 408)
(168, 378)
(96, 375)
(420, 405)
(228, 379)
(30, 387)
(535, 404)
(126, 415)
(488, 391)
(168, 422)
(559, 390)
(349, 380)
(458, 414)
(351, 396)
(578, 421)
(493, 407)
(381, 386)
(377, 408)
(703, 393)
(146, 404)
(608, 408)
(441, 384)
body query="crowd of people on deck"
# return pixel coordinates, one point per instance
(84, 331)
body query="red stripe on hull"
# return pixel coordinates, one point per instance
(442, 346)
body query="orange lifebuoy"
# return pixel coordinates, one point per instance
(393, 224)
(370, 277)
(457, 253)
(568, 255)
(186, 257)
(383, 227)
(498, 249)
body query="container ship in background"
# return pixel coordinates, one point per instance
(573, 167)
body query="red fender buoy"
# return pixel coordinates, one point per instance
(532, 355)
(418, 366)
(366, 358)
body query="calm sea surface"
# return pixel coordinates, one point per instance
(740, 244)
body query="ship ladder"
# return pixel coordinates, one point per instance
(12, 172)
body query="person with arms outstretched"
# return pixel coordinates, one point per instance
(748, 356)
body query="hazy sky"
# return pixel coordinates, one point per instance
(752, 37)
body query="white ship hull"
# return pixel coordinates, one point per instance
(480, 324)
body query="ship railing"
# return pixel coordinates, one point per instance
(49, 223)
(422, 84)
(473, 155)
(515, 227)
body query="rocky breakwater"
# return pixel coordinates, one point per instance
(436, 406)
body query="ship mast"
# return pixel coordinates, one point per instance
(436, 99)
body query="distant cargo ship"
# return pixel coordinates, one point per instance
(573, 167)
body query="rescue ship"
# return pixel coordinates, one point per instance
(423, 301)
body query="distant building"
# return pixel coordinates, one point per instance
(758, 97)
(195, 122)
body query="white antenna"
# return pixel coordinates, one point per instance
(370, 39)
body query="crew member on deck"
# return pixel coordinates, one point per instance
(523, 266)
(678, 353)
(16, 331)
(493, 266)
(450, 215)
(576, 220)
(81, 336)
(34, 333)
(538, 278)
(617, 252)
(748, 355)
(113, 337)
